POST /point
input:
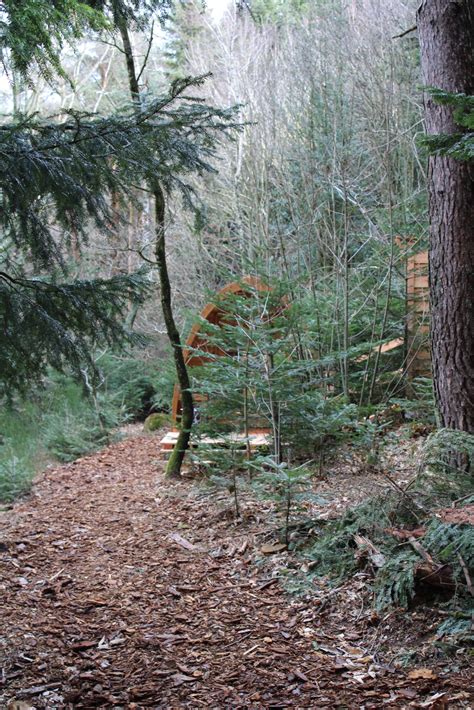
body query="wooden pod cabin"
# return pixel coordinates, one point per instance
(212, 313)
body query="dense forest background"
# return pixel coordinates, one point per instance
(321, 192)
(282, 162)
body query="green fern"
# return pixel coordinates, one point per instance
(395, 581)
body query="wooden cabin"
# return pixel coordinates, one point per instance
(418, 317)
(197, 340)
(416, 341)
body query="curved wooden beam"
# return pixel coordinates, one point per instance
(211, 313)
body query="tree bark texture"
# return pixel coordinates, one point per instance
(175, 461)
(446, 34)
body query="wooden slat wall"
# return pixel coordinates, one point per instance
(418, 314)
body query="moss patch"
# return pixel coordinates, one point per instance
(156, 421)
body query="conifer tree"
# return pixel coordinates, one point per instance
(56, 177)
(446, 32)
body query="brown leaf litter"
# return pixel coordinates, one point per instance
(121, 591)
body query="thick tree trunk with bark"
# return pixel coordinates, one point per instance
(446, 33)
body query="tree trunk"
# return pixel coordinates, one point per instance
(187, 409)
(446, 33)
(175, 461)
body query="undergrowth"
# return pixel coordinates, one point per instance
(58, 422)
(377, 534)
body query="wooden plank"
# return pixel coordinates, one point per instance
(256, 440)
(420, 258)
(417, 282)
(417, 289)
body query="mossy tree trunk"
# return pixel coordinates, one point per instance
(187, 410)
(175, 461)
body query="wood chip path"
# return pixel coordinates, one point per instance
(116, 596)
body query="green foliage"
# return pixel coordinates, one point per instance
(289, 487)
(274, 11)
(395, 581)
(335, 552)
(34, 31)
(458, 626)
(458, 145)
(441, 480)
(15, 475)
(163, 381)
(58, 173)
(258, 376)
(74, 423)
(181, 27)
(20, 447)
(156, 421)
(55, 422)
(420, 405)
(334, 549)
(448, 543)
(59, 421)
(57, 177)
(51, 324)
(76, 431)
(73, 161)
(222, 466)
(131, 382)
(16, 472)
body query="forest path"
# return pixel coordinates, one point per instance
(117, 592)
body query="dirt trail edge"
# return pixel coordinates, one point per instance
(116, 596)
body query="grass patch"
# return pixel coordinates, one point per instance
(57, 423)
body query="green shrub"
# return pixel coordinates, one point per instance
(156, 421)
(289, 487)
(335, 550)
(137, 386)
(56, 422)
(15, 477)
(19, 443)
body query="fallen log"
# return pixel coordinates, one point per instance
(429, 572)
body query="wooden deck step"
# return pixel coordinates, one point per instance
(257, 440)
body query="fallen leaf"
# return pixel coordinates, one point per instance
(301, 676)
(426, 673)
(180, 540)
(180, 678)
(429, 702)
(272, 548)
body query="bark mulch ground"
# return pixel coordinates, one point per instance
(120, 591)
